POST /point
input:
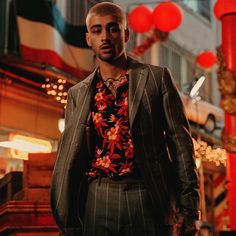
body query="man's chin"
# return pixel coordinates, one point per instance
(107, 58)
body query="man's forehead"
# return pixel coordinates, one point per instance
(95, 19)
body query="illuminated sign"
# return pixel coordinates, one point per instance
(20, 146)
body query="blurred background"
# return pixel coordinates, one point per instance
(43, 53)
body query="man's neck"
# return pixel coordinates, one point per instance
(113, 70)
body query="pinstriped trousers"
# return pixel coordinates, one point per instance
(119, 209)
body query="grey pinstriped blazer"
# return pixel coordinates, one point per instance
(162, 144)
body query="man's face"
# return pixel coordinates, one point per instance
(107, 37)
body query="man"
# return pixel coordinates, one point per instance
(126, 150)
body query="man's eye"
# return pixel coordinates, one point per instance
(96, 31)
(114, 29)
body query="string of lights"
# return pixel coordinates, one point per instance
(206, 152)
(56, 88)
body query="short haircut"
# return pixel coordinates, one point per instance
(107, 8)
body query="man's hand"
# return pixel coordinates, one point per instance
(186, 226)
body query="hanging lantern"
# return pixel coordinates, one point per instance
(140, 19)
(167, 16)
(206, 59)
(221, 8)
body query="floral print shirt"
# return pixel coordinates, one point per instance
(113, 143)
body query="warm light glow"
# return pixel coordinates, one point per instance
(57, 88)
(27, 144)
(205, 152)
(60, 87)
(61, 124)
(198, 162)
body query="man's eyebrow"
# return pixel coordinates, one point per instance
(108, 25)
(95, 26)
(112, 24)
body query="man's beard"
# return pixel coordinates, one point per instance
(107, 58)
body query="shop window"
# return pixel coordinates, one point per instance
(202, 7)
(172, 60)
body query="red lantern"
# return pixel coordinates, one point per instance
(140, 19)
(223, 7)
(167, 16)
(206, 59)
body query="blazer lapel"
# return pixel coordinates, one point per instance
(84, 99)
(78, 121)
(137, 80)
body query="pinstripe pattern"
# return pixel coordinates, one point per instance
(157, 120)
(74, 141)
(119, 208)
(128, 210)
(130, 201)
(142, 210)
(107, 192)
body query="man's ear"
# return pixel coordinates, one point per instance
(126, 35)
(88, 39)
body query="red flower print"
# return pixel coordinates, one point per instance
(92, 173)
(98, 152)
(112, 134)
(125, 168)
(120, 127)
(98, 121)
(126, 101)
(123, 104)
(99, 97)
(130, 149)
(105, 164)
(114, 149)
(113, 139)
(99, 85)
(115, 156)
(103, 99)
(112, 118)
(102, 107)
(97, 117)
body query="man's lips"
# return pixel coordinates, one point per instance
(106, 46)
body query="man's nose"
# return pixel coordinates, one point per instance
(105, 35)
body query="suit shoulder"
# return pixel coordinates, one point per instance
(137, 64)
(155, 68)
(77, 86)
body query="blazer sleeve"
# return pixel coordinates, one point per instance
(179, 144)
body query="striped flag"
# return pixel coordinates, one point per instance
(54, 34)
